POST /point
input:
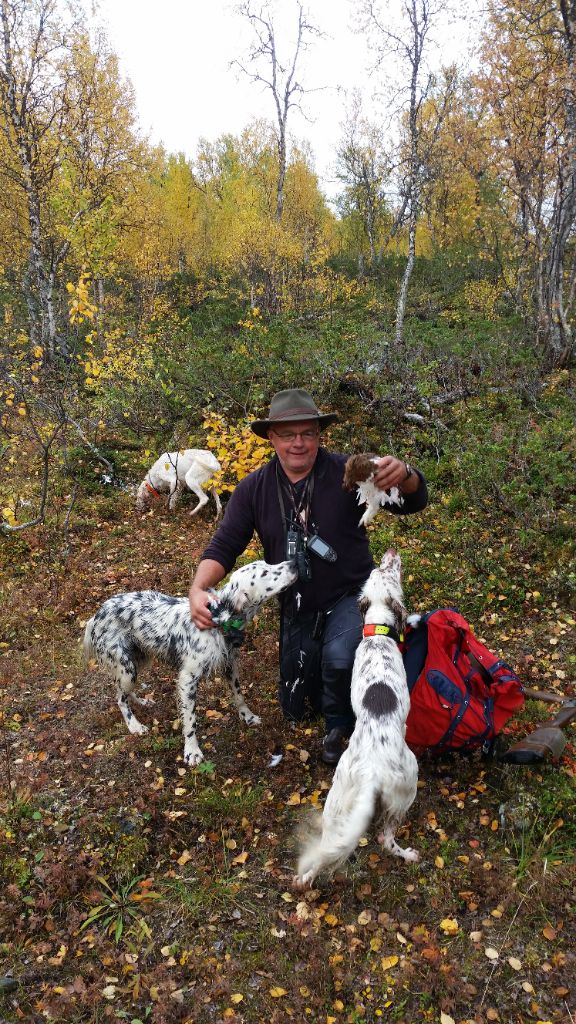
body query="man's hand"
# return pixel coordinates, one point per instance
(208, 574)
(392, 472)
(199, 611)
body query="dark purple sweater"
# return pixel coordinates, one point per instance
(254, 506)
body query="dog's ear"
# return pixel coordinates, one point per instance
(239, 599)
(219, 610)
(400, 617)
(363, 604)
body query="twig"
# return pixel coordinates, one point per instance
(495, 964)
(73, 497)
(4, 732)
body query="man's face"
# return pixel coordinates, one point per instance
(296, 445)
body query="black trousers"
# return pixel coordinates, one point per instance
(316, 659)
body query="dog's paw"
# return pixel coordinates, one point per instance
(414, 619)
(137, 729)
(411, 855)
(144, 702)
(301, 882)
(250, 718)
(194, 757)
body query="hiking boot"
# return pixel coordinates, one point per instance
(332, 746)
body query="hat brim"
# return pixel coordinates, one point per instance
(261, 427)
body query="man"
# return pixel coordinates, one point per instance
(298, 507)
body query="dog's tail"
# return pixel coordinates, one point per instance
(334, 835)
(87, 642)
(208, 460)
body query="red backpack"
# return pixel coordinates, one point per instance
(460, 693)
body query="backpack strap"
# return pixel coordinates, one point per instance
(487, 678)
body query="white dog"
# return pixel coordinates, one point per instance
(173, 472)
(359, 474)
(129, 629)
(377, 770)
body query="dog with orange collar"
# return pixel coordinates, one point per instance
(175, 472)
(377, 772)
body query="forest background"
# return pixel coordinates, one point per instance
(152, 301)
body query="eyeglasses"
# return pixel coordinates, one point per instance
(306, 435)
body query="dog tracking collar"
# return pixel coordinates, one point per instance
(233, 630)
(379, 630)
(152, 489)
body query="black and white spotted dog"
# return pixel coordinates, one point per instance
(359, 474)
(129, 629)
(377, 772)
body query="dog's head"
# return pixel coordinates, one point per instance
(251, 585)
(382, 599)
(143, 498)
(357, 469)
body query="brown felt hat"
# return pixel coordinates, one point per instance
(290, 407)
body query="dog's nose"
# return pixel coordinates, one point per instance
(388, 556)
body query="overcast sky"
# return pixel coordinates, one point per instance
(178, 53)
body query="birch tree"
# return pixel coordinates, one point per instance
(67, 125)
(279, 74)
(406, 48)
(527, 104)
(364, 168)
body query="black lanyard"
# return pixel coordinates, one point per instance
(302, 510)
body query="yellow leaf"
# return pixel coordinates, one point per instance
(515, 963)
(185, 857)
(236, 998)
(388, 962)
(449, 925)
(294, 799)
(491, 953)
(231, 844)
(241, 858)
(439, 862)
(331, 919)
(277, 992)
(549, 932)
(445, 1018)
